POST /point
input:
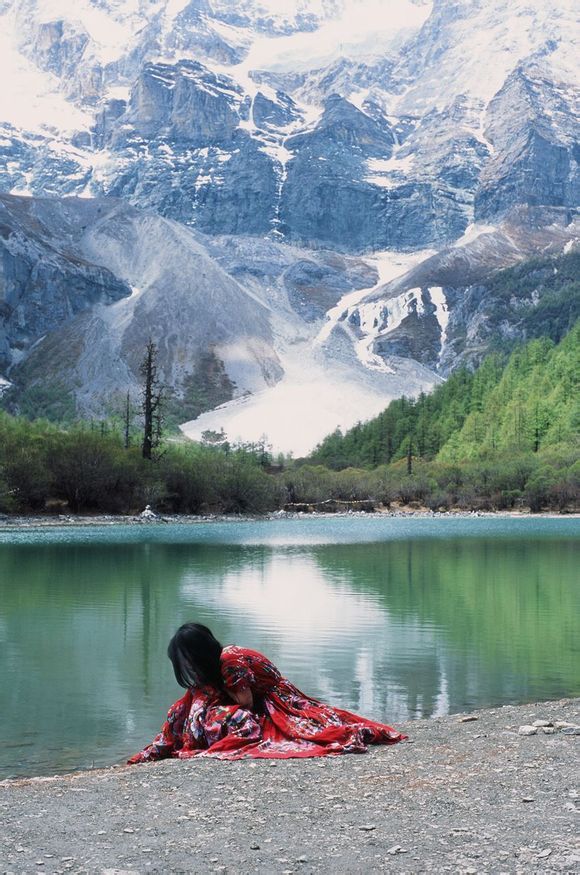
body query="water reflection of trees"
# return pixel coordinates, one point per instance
(506, 610)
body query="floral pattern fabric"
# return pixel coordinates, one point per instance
(283, 721)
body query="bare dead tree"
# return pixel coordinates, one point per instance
(151, 405)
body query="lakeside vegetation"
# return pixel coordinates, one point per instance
(501, 437)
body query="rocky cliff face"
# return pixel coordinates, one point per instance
(443, 312)
(533, 127)
(44, 280)
(257, 121)
(86, 283)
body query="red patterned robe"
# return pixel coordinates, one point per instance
(283, 722)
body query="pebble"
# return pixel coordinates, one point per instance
(571, 730)
(254, 847)
(542, 723)
(545, 853)
(367, 827)
(548, 730)
(397, 849)
(564, 724)
(469, 719)
(527, 730)
(528, 799)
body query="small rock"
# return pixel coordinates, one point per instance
(541, 723)
(564, 724)
(301, 859)
(254, 847)
(548, 730)
(545, 853)
(367, 827)
(128, 829)
(397, 849)
(527, 730)
(468, 719)
(528, 799)
(571, 730)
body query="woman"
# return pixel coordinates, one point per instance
(238, 705)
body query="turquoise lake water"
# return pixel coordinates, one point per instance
(393, 618)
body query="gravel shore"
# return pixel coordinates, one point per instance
(85, 521)
(462, 795)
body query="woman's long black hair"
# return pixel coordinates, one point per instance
(195, 656)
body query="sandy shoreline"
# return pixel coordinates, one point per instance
(85, 521)
(462, 797)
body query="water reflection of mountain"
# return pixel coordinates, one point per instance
(335, 641)
(389, 629)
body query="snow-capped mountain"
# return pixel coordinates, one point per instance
(416, 121)
(260, 138)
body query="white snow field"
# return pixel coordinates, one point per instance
(324, 386)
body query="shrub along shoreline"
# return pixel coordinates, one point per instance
(45, 470)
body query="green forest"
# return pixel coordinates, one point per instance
(525, 404)
(503, 436)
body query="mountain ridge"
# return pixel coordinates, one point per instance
(464, 144)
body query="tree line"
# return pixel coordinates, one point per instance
(503, 436)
